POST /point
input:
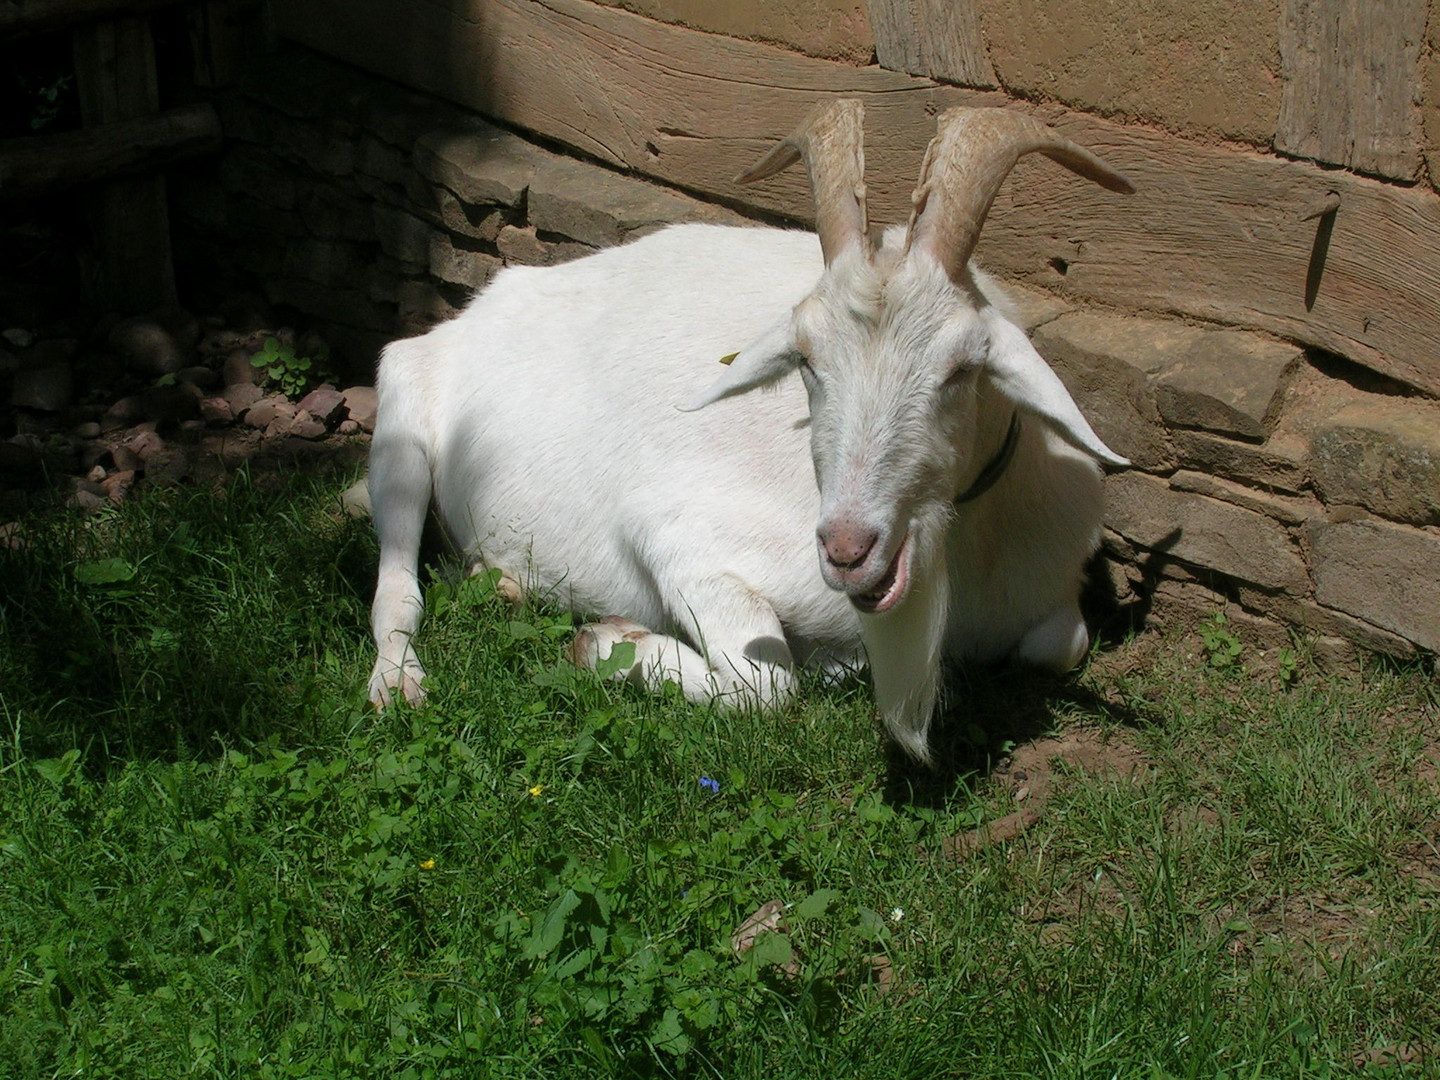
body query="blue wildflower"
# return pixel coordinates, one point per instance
(712, 786)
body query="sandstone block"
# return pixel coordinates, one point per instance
(458, 266)
(257, 174)
(595, 206)
(362, 403)
(402, 236)
(216, 410)
(521, 245)
(1225, 381)
(118, 484)
(145, 444)
(327, 147)
(414, 194)
(1289, 511)
(383, 161)
(305, 426)
(1204, 532)
(325, 262)
(1382, 454)
(420, 306)
(1034, 307)
(463, 219)
(324, 403)
(1106, 363)
(1306, 614)
(1279, 465)
(264, 413)
(1388, 575)
(328, 212)
(479, 163)
(241, 395)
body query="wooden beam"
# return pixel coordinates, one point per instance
(21, 18)
(1213, 232)
(1352, 83)
(224, 36)
(687, 107)
(44, 164)
(116, 80)
(939, 39)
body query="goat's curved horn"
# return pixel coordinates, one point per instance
(831, 140)
(965, 164)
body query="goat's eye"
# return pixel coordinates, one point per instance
(961, 376)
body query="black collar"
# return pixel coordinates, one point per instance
(996, 466)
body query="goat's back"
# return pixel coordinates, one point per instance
(549, 411)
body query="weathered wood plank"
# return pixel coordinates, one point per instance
(224, 36)
(683, 106)
(115, 79)
(940, 39)
(19, 18)
(1352, 83)
(1213, 233)
(115, 75)
(1218, 234)
(44, 164)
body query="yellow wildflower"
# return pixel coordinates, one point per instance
(537, 790)
(428, 864)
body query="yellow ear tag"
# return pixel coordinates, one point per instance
(726, 359)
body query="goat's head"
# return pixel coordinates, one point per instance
(894, 341)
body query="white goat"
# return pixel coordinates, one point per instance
(958, 497)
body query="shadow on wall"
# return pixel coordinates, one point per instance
(1111, 617)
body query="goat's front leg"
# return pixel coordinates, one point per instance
(745, 662)
(399, 488)
(1057, 642)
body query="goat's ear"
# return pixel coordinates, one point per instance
(1022, 375)
(766, 359)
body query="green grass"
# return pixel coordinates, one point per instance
(216, 860)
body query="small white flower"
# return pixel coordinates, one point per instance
(896, 914)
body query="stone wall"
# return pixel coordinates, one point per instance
(1299, 488)
(1294, 487)
(376, 211)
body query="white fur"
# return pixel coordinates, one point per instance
(542, 425)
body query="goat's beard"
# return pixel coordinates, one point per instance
(904, 645)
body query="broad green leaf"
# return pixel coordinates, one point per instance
(105, 572)
(622, 656)
(816, 903)
(770, 950)
(551, 929)
(58, 770)
(872, 925)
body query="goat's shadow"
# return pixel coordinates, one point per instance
(984, 713)
(987, 711)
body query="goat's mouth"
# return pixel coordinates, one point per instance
(892, 586)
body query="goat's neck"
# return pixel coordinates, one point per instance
(994, 416)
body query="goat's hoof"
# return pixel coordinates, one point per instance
(384, 687)
(508, 589)
(594, 641)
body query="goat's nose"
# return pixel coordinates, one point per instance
(847, 546)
